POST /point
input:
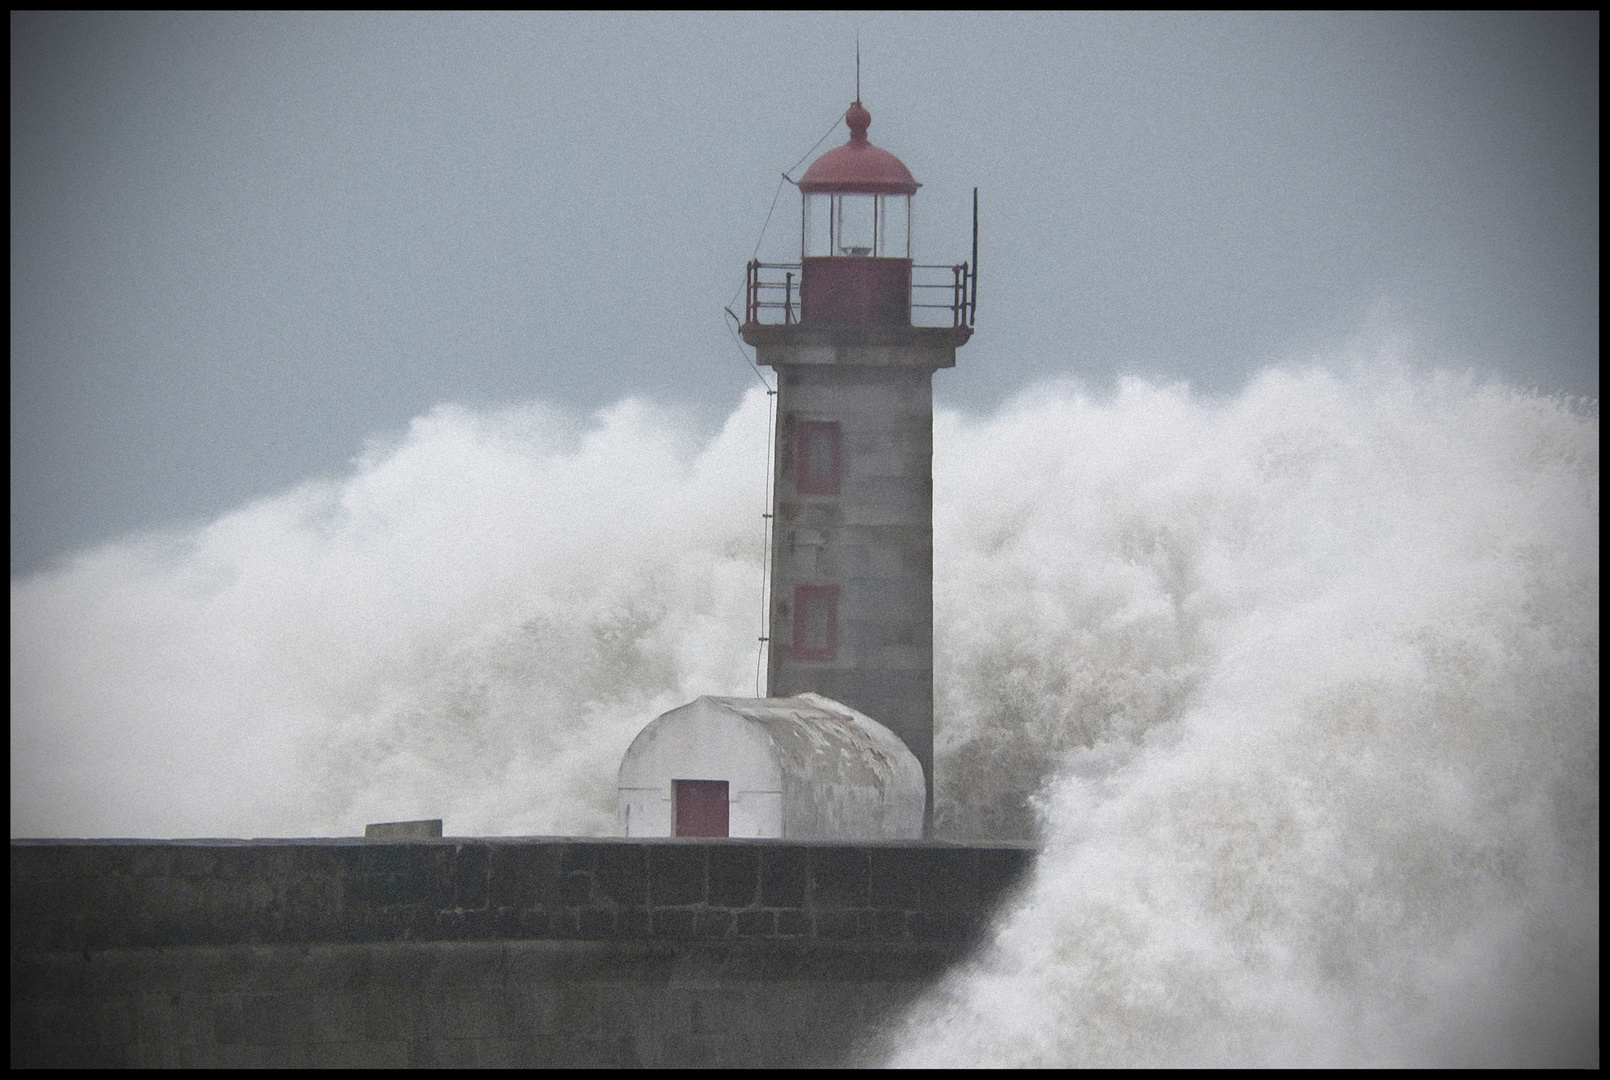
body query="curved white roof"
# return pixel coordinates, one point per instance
(840, 773)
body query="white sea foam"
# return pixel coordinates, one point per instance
(1316, 673)
(472, 626)
(1299, 689)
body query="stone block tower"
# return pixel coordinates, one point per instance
(851, 601)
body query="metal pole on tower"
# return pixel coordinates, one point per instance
(973, 306)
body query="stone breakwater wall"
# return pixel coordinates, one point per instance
(533, 952)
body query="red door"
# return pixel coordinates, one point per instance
(701, 807)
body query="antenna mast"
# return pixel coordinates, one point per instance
(858, 65)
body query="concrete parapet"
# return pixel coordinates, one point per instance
(430, 829)
(538, 952)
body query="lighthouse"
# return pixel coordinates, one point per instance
(855, 332)
(842, 745)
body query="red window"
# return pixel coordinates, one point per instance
(816, 622)
(701, 807)
(818, 458)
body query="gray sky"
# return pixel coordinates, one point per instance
(241, 244)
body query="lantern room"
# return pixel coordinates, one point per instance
(855, 275)
(855, 236)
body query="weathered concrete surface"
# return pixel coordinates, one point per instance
(532, 952)
(428, 829)
(871, 537)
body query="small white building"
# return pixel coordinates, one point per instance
(793, 768)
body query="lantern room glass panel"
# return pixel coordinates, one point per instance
(856, 225)
(818, 228)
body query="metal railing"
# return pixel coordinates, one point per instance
(960, 305)
(773, 288)
(763, 289)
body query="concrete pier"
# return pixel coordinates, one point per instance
(529, 952)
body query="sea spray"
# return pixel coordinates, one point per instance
(1314, 675)
(1299, 688)
(472, 626)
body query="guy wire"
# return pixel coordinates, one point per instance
(766, 517)
(765, 550)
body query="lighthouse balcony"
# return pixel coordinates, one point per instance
(868, 294)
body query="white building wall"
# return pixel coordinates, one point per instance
(799, 768)
(702, 741)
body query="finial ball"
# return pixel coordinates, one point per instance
(858, 119)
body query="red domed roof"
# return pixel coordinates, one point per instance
(858, 167)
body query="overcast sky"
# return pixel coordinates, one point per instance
(242, 244)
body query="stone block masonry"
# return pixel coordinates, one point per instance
(525, 952)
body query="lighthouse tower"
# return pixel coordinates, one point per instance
(851, 600)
